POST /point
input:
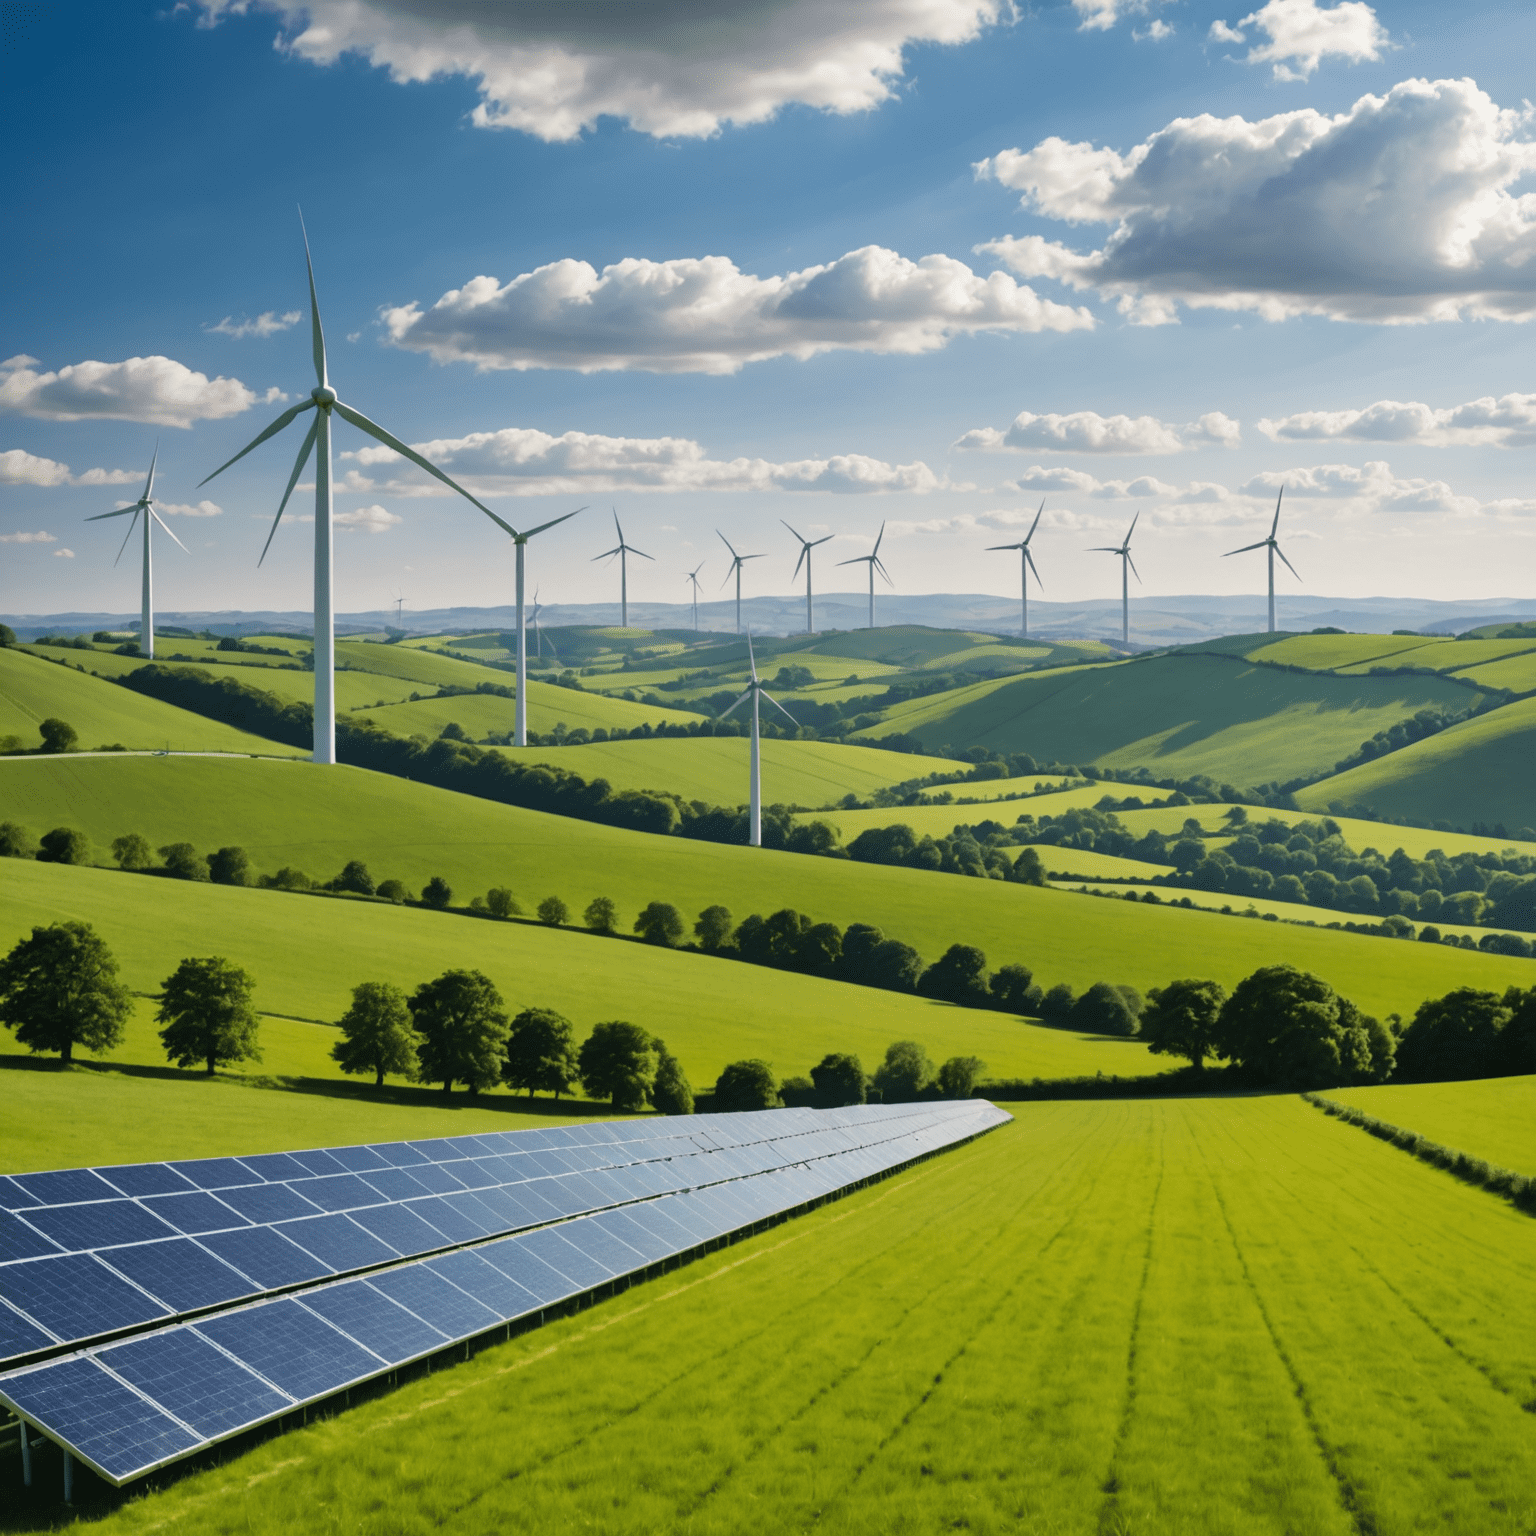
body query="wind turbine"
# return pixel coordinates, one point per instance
(737, 561)
(324, 403)
(1126, 566)
(538, 634)
(399, 608)
(756, 691)
(693, 576)
(1274, 549)
(146, 505)
(872, 559)
(1026, 565)
(623, 551)
(806, 546)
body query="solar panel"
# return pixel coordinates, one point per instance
(187, 1278)
(292, 1348)
(266, 1256)
(100, 1224)
(194, 1212)
(419, 1289)
(337, 1242)
(203, 1387)
(20, 1241)
(376, 1322)
(74, 1297)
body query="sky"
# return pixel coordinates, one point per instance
(725, 266)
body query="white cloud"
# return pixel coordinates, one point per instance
(668, 69)
(704, 315)
(1089, 432)
(1101, 15)
(18, 467)
(181, 509)
(27, 538)
(1154, 33)
(1400, 209)
(267, 323)
(1079, 482)
(1303, 33)
(519, 461)
(1370, 487)
(63, 554)
(156, 390)
(374, 519)
(1508, 422)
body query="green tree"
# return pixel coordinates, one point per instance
(58, 735)
(904, 1073)
(959, 975)
(746, 1085)
(1181, 1019)
(1013, 989)
(660, 923)
(500, 902)
(7, 636)
(132, 851)
(713, 929)
(288, 879)
(59, 989)
(1027, 868)
(1290, 1028)
(64, 845)
(616, 1063)
(671, 1093)
(1455, 1037)
(376, 1033)
(16, 842)
(839, 1080)
(1519, 1037)
(541, 1053)
(1103, 1010)
(354, 878)
(554, 912)
(229, 866)
(205, 1008)
(601, 915)
(182, 863)
(1056, 1005)
(436, 893)
(462, 1025)
(390, 890)
(958, 1076)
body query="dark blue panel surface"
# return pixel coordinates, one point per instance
(338, 1242)
(553, 1193)
(673, 1220)
(337, 1192)
(146, 1179)
(216, 1172)
(530, 1272)
(18, 1336)
(438, 1150)
(268, 1258)
(100, 1224)
(180, 1273)
(614, 1255)
(437, 1211)
(438, 1180)
(467, 1270)
(471, 1172)
(19, 1241)
(298, 1351)
(509, 1211)
(75, 1297)
(401, 1228)
(435, 1300)
(650, 1246)
(395, 1183)
(194, 1381)
(13, 1197)
(267, 1202)
(194, 1213)
(276, 1166)
(473, 1211)
(357, 1159)
(374, 1320)
(569, 1260)
(108, 1422)
(64, 1187)
(317, 1162)
(399, 1154)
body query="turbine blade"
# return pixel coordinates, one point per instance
(823, 540)
(1103, 549)
(1276, 524)
(1246, 547)
(131, 526)
(880, 566)
(298, 469)
(797, 535)
(751, 557)
(607, 554)
(878, 537)
(291, 414)
(1031, 559)
(631, 548)
(780, 708)
(1132, 564)
(551, 523)
(1291, 568)
(991, 547)
(857, 560)
(152, 513)
(1028, 536)
(728, 545)
(1132, 529)
(317, 335)
(742, 700)
(805, 550)
(121, 512)
(389, 440)
(149, 482)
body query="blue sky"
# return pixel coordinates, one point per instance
(1187, 224)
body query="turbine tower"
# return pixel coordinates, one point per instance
(737, 561)
(623, 551)
(146, 505)
(1127, 565)
(806, 546)
(1274, 549)
(323, 401)
(756, 692)
(693, 576)
(872, 559)
(1026, 565)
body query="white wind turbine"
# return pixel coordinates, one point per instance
(1126, 565)
(1274, 549)
(806, 546)
(623, 551)
(538, 634)
(756, 691)
(693, 576)
(872, 559)
(146, 505)
(737, 561)
(323, 402)
(1026, 565)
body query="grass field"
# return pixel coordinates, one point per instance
(1201, 1316)
(318, 818)
(1494, 1119)
(986, 801)
(1517, 673)
(486, 714)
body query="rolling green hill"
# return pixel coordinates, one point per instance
(488, 714)
(1494, 1119)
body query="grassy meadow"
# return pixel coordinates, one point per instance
(1494, 1118)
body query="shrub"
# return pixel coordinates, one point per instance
(541, 1053)
(500, 902)
(391, 890)
(958, 1075)
(64, 845)
(713, 929)
(797, 1093)
(182, 863)
(16, 842)
(436, 893)
(229, 866)
(354, 878)
(601, 915)
(132, 852)
(616, 1063)
(205, 1007)
(838, 1080)
(746, 1085)
(59, 989)
(904, 1073)
(288, 879)
(554, 912)
(462, 1023)
(670, 1093)
(377, 1035)
(660, 923)
(58, 735)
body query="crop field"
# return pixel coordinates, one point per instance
(1494, 1118)
(1128, 1347)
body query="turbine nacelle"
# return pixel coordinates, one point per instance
(323, 394)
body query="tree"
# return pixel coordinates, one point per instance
(601, 915)
(1056, 1005)
(229, 866)
(64, 845)
(1027, 868)
(616, 1063)
(904, 1073)
(436, 893)
(746, 1085)
(1291, 1028)
(1103, 1010)
(58, 735)
(205, 1006)
(958, 1076)
(895, 966)
(554, 912)
(390, 890)
(289, 879)
(1013, 989)
(1181, 1019)
(59, 989)
(541, 1053)
(671, 1093)
(462, 1023)
(132, 851)
(376, 1033)
(16, 842)
(1519, 1038)
(1454, 1037)
(959, 975)
(7, 636)
(354, 878)
(713, 929)
(839, 1080)
(182, 863)
(660, 923)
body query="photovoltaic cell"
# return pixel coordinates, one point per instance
(487, 1284)
(436, 1212)
(201, 1386)
(66, 1187)
(98, 1225)
(295, 1350)
(357, 1159)
(193, 1213)
(217, 1172)
(530, 1272)
(435, 1300)
(395, 1184)
(437, 1180)
(376, 1322)
(337, 1192)
(608, 1252)
(148, 1179)
(276, 1166)
(336, 1241)
(267, 1203)
(266, 1256)
(19, 1241)
(75, 1297)
(565, 1258)
(184, 1276)
(401, 1228)
(18, 1336)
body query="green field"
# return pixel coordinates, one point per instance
(1516, 673)
(318, 818)
(989, 800)
(1494, 1119)
(1199, 1316)
(485, 714)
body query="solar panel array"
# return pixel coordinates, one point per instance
(208, 1299)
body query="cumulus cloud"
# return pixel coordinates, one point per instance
(1506, 422)
(1302, 34)
(267, 323)
(28, 538)
(1371, 487)
(1401, 209)
(519, 461)
(182, 509)
(63, 554)
(1101, 15)
(667, 69)
(705, 315)
(1089, 432)
(156, 390)
(18, 467)
(374, 519)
